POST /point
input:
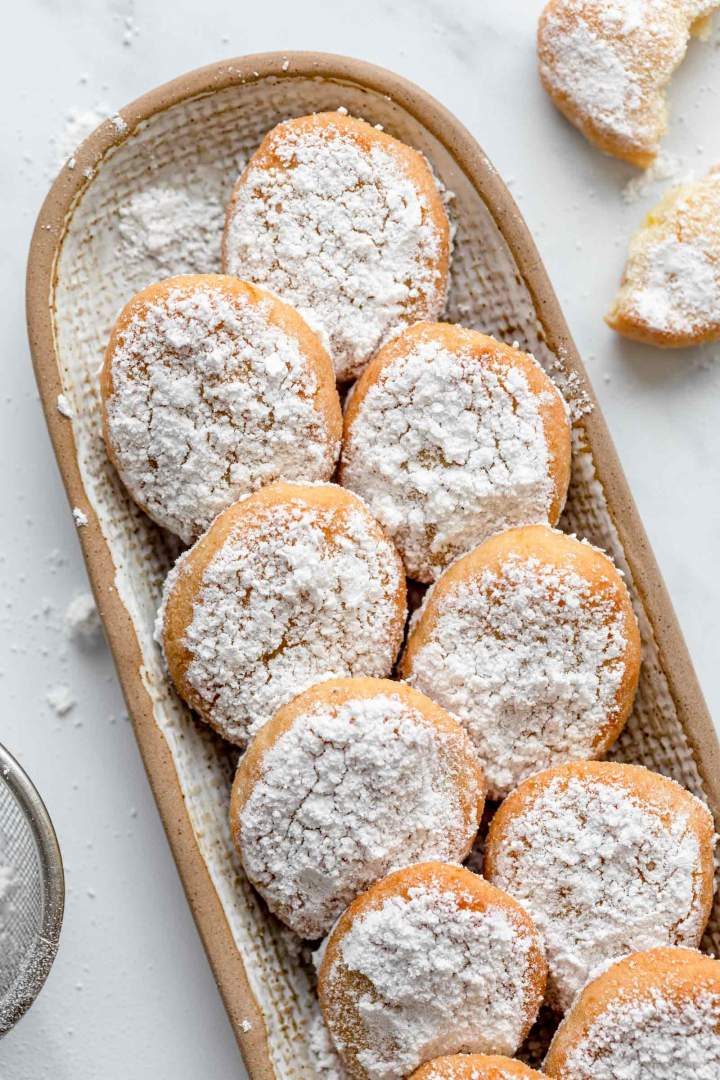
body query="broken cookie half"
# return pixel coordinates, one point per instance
(607, 64)
(670, 292)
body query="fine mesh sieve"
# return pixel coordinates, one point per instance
(32, 892)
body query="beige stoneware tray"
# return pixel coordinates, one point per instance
(190, 137)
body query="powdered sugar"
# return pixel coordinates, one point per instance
(442, 977)
(596, 77)
(61, 699)
(341, 232)
(601, 873)
(211, 399)
(448, 448)
(610, 62)
(325, 1058)
(664, 167)
(681, 287)
(653, 1038)
(297, 593)
(9, 885)
(530, 659)
(171, 229)
(351, 791)
(82, 621)
(671, 286)
(79, 123)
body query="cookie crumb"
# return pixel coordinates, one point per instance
(60, 698)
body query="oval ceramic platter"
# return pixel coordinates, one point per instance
(188, 140)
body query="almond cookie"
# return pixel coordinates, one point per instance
(653, 1015)
(451, 437)
(475, 1067)
(430, 961)
(211, 388)
(531, 642)
(354, 778)
(608, 859)
(607, 64)
(670, 292)
(345, 223)
(289, 586)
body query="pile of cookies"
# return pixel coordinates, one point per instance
(370, 746)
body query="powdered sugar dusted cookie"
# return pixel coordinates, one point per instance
(354, 778)
(608, 859)
(607, 64)
(475, 1067)
(211, 388)
(346, 224)
(532, 643)
(288, 586)
(430, 961)
(450, 437)
(670, 293)
(653, 1015)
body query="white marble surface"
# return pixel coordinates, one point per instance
(131, 995)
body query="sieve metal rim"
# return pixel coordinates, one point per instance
(40, 959)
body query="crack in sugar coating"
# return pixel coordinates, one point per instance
(442, 977)
(350, 792)
(611, 61)
(601, 874)
(448, 448)
(530, 659)
(654, 1038)
(298, 594)
(671, 285)
(209, 401)
(343, 233)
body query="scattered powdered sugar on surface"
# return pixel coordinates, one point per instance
(295, 595)
(82, 620)
(652, 1038)
(664, 167)
(601, 875)
(79, 517)
(341, 233)
(79, 123)
(572, 387)
(529, 659)
(448, 448)
(210, 401)
(443, 977)
(171, 229)
(350, 792)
